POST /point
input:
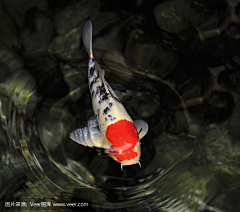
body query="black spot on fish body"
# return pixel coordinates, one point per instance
(97, 74)
(97, 90)
(112, 119)
(91, 71)
(100, 90)
(101, 93)
(110, 104)
(105, 111)
(92, 94)
(106, 119)
(104, 98)
(92, 83)
(98, 112)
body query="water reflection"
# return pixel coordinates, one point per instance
(189, 97)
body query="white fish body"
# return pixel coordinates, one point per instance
(112, 128)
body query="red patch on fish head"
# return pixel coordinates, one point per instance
(124, 136)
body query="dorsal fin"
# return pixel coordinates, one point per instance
(87, 38)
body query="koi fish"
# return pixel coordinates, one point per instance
(111, 127)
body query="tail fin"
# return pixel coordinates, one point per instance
(87, 38)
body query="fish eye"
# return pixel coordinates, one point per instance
(112, 149)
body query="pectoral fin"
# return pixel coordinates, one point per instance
(142, 127)
(88, 136)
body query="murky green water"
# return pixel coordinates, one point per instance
(174, 64)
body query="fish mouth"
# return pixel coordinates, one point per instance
(134, 160)
(115, 155)
(130, 162)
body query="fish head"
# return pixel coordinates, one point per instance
(125, 146)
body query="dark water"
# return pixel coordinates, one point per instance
(174, 64)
